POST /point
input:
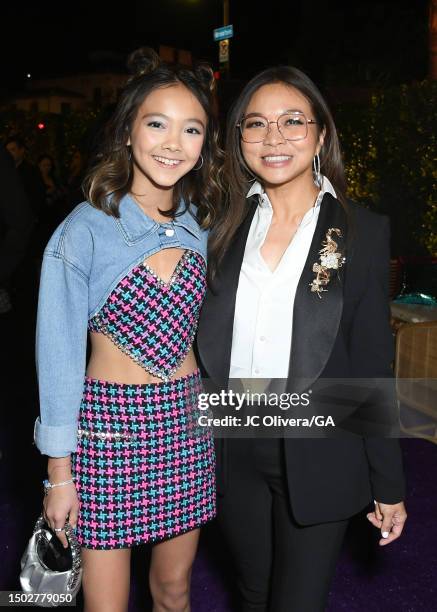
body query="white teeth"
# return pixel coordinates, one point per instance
(167, 162)
(277, 158)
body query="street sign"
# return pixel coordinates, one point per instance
(224, 51)
(224, 32)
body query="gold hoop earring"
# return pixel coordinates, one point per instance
(201, 163)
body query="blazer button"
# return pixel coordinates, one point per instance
(169, 232)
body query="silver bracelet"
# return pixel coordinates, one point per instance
(48, 485)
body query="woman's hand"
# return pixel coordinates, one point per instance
(390, 519)
(61, 503)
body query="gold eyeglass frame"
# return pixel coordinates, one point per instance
(299, 113)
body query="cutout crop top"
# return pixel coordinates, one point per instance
(152, 321)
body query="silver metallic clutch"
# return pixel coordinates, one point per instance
(48, 567)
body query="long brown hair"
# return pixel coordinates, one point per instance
(237, 177)
(111, 176)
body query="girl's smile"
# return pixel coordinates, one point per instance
(166, 137)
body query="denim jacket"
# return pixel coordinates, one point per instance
(85, 259)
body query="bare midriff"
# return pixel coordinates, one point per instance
(108, 362)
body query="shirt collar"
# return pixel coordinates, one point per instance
(258, 189)
(136, 224)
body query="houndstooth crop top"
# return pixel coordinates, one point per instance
(152, 321)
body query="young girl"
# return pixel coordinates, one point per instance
(128, 267)
(282, 309)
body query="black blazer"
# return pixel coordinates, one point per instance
(346, 334)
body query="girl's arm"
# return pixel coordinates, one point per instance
(61, 340)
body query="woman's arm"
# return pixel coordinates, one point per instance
(372, 354)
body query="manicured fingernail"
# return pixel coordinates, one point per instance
(385, 534)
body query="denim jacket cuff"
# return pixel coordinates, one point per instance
(55, 441)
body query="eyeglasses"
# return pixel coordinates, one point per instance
(291, 126)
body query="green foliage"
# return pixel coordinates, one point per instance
(61, 136)
(389, 153)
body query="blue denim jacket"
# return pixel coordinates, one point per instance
(87, 256)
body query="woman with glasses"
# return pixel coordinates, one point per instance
(300, 294)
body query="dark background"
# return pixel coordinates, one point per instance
(359, 41)
(369, 57)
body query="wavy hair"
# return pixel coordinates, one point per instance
(237, 177)
(111, 176)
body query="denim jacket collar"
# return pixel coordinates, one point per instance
(136, 225)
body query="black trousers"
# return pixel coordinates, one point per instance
(281, 566)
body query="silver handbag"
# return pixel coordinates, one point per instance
(48, 567)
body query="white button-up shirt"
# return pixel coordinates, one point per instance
(263, 317)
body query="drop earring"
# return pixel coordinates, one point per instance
(316, 171)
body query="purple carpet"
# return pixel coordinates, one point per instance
(401, 577)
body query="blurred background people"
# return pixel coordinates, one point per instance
(16, 223)
(75, 176)
(54, 191)
(28, 173)
(55, 206)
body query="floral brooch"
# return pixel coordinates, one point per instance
(330, 259)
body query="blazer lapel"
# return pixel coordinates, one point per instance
(214, 337)
(316, 320)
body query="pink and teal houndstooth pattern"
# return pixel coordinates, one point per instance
(145, 469)
(152, 321)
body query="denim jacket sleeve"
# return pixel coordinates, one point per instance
(61, 338)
